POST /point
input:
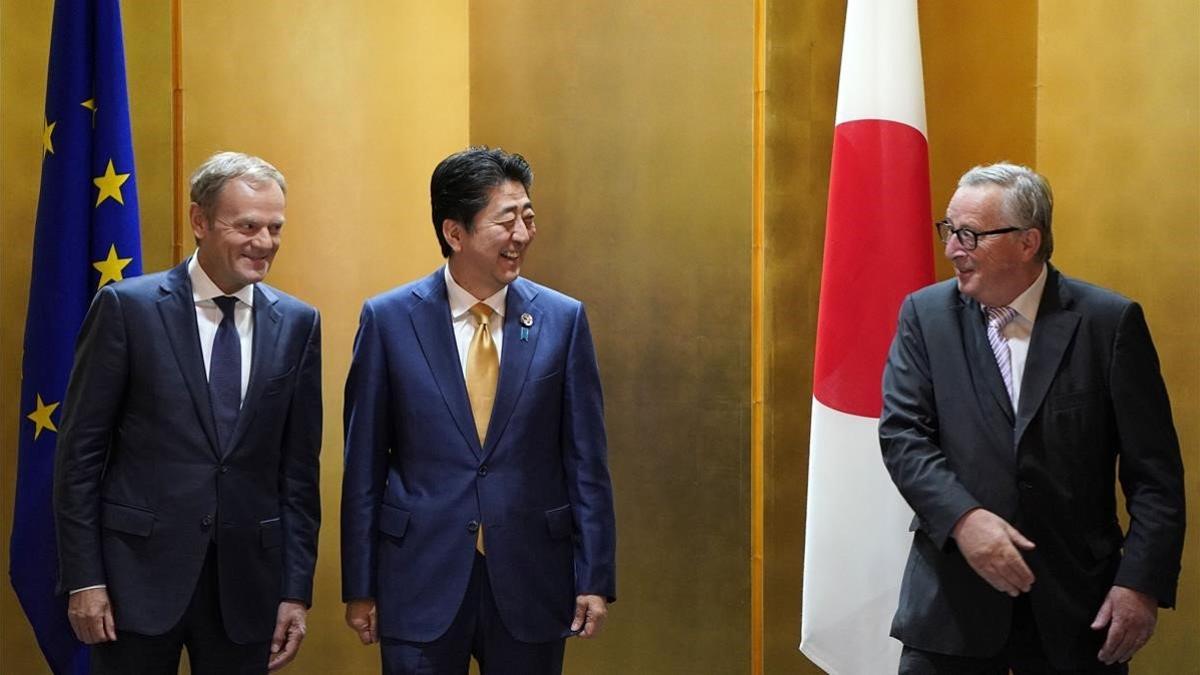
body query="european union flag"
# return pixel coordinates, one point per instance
(86, 236)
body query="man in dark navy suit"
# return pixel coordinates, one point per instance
(477, 513)
(1013, 399)
(186, 477)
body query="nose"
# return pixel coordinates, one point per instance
(263, 238)
(520, 232)
(952, 248)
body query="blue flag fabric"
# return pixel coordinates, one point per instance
(86, 237)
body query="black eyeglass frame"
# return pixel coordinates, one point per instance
(968, 238)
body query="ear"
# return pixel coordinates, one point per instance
(196, 218)
(1031, 241)
(454, 233)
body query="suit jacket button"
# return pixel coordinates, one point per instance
(1026, 485)
(473, 527)
(483, 470)
(224, 469)
(206, 521)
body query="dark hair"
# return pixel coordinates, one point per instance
(462, 183)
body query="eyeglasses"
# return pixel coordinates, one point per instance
(967, 237)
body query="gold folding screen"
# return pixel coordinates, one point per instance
(638, 118)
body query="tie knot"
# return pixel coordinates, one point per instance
(226, 304)
(482, 313)
(1000, 316)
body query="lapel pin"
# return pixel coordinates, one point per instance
(527, 319)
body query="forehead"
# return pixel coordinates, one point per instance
(976, 203)
(508, 195)
(240, 194)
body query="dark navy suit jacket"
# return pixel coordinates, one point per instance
(417, 481)
(141, 487)
(1092, 399)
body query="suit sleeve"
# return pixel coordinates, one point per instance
(366, 452)
(908, 434)
(95, 394)
(300, 473)
(585, 459)
(1151, 471)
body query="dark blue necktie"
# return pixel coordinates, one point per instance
(225, 372)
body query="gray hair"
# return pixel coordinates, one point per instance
(1027, 197)
(216, 171)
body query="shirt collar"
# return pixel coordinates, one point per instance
(461, 300)
(1027, 303)
(203, 287)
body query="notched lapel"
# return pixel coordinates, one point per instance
(178, 313)
(1052, 333)
(431, 322)
(514, 362)
(985, 374)
(268, 323)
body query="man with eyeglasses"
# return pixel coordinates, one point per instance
(1011, 396)
(186, 473)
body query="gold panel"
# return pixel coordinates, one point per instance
(636, 117)
(1119, 139)
(24, 56)
(355, 103)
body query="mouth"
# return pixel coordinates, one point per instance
(511, 256)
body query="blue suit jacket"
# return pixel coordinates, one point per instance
(141, 486)
(417, 479)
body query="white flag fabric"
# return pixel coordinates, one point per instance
(878, 248)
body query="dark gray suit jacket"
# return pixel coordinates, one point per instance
(1092, 398)
(140, 484)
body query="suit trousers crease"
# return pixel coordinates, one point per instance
(477, 630)
(200, 630)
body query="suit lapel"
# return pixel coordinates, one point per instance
(989, 385)
(514, 362)
(432, 324)
(267, 324)
(178, 313)
(1052, 332)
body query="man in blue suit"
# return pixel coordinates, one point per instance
(186, 476)
(477, 512)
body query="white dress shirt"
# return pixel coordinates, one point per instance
(464, 324)
(209, 316)
(1018, 331)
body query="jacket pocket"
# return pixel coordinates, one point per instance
(560, 521)
(269, 533)
(127, 519)
(276, 383)
(393, 521)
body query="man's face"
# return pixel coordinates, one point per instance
(237, 246)
(999, 268)
(489, 257)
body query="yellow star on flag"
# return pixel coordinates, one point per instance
(90, 104)
(110, 185)
(41, 417)
(47, 132)
(110, 268)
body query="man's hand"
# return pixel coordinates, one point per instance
(91, 616)
(360, 616)
(1130, 617)
(289, 633)
(990, 546)
(590, 613)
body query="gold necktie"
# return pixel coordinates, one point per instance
(483, 371)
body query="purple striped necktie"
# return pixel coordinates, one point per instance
(997, 319)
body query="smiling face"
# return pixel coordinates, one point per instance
(237, 245)
(488, 257)
(1001, 266)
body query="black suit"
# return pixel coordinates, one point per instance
(142, 488)
(1092, 396)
